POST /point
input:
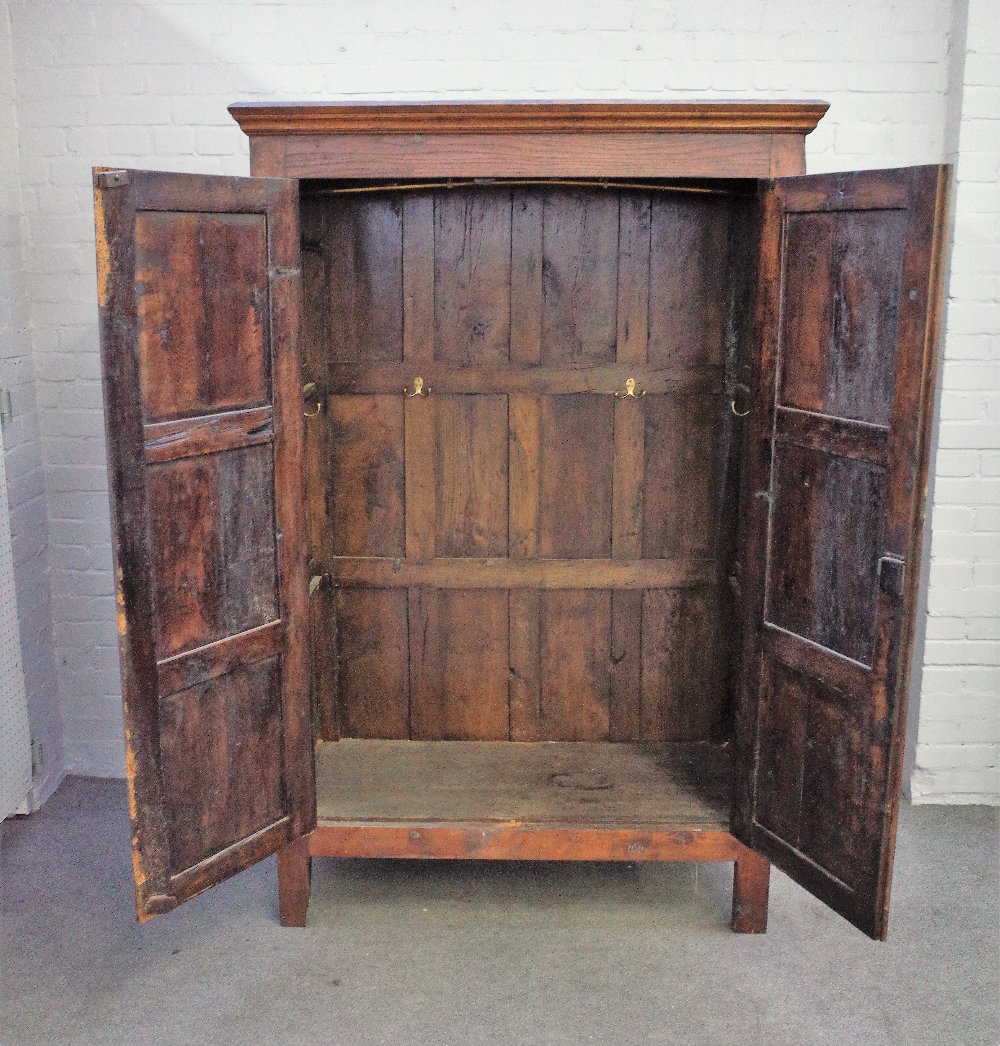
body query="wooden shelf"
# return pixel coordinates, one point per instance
(508, 800)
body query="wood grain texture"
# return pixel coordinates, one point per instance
(838, 477)
(199, 290)
(671, 787)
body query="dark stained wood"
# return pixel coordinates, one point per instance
(218, 575)
(821, 722)
(198, 286)
(683, 661)
(855, 440)
(525, 664)
(294, 881)
(217, 749)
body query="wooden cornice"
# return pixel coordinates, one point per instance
(424, 118)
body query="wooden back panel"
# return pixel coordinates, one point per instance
(520, 554)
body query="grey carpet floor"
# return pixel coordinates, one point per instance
(466, 953)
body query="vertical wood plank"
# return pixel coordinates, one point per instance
(633, 277)
(526, 279)
(524, 426)
(625, 713)
(418, 348)
(525, 665)
(425, 663)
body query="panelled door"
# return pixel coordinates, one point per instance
(200, 296)
(838, 444)
(526, 531)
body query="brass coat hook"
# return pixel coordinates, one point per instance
(311, 391)
(418, 389)
(630, 390)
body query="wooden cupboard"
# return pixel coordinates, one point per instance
(519, 481)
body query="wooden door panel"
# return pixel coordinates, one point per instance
(830, 511)
(222, 770)
(199, 292)
(838, 438)
(217, 576)
(840, 367)
(225, 257)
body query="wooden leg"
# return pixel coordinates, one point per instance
(294, 875)
(751, 877)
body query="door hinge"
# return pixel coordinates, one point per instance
(891, 574)
(113, 179)
(37, 757)
(6, 409)
(318, 581)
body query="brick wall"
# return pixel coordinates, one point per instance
(959, 728)
(147, 86)
(22, 450)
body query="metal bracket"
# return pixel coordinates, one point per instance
(6, 410)
(113, 179)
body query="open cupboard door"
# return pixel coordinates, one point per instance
(200, 298)
(849, 285)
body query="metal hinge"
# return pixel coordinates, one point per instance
(318, 581)
(113, 179)
(6, 410)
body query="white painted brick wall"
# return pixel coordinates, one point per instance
(958, 741)
(22, 451)
(147, 85)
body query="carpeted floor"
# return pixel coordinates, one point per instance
(417, 953)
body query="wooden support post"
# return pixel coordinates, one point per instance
(294, 879)
(751, 878)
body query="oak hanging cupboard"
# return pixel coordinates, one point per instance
(519, 481)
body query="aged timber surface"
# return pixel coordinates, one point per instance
(667, 786)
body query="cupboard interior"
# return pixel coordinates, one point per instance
(525, 553)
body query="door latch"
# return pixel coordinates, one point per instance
(891, 573)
